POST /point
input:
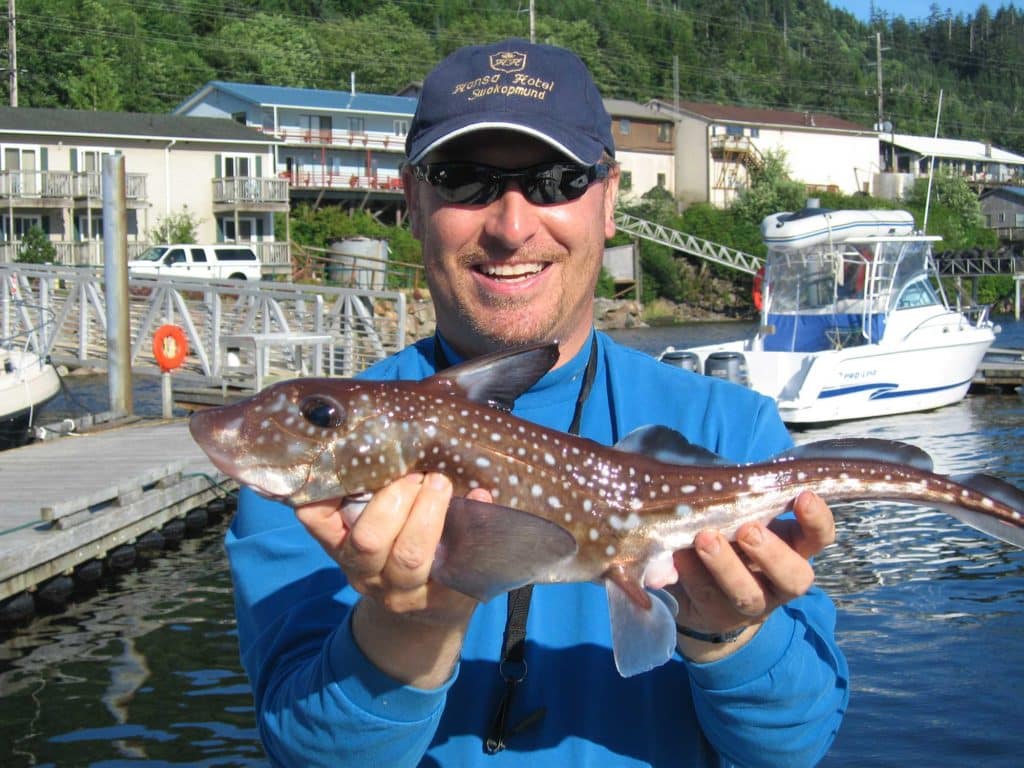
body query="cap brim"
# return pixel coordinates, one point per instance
(580, 149)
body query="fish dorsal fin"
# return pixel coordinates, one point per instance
(861, 448)
(665, 444)
(499, 378)
(487, 549)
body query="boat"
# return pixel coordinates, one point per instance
(854, 321)
(27, 383)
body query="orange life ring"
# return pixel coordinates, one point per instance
(169, 347)
(755, 292)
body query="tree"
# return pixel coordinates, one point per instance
(36, 248)
(770, 191)
(178, 227)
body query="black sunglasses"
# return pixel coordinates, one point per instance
(543, 184)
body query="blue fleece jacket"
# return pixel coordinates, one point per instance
(777, 701)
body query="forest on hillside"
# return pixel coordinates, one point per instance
(149, 55)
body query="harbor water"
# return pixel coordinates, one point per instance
(144, 669)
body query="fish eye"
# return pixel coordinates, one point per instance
(321, 412)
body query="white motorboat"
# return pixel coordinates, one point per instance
(27, 382)
(854, 322)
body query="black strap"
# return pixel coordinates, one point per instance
(513, 667)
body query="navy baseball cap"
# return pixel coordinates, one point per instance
(539, 90)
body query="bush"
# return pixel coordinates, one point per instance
(175, 228)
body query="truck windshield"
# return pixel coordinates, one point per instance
(154, 253)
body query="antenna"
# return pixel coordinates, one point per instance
(931, 168)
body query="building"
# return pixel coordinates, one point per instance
(717, 147)
(644, 148)
(978, 162)
(51, 167)
(338, 146)
(1003, 209)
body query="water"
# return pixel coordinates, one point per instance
(931, 618)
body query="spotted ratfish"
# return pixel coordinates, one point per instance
(565, 509)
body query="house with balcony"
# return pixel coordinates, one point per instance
(339, 146)
(717, 146)
(644, 147)
(51, 168)
(906, 158)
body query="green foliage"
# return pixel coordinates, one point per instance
(770, 191)
(605, 285)
(954, 212)
(180, 227)
(36, 248)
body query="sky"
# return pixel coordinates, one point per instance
(915, 9)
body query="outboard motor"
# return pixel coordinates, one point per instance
(681, 358)
(731, 366)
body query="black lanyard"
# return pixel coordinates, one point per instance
(512, 666)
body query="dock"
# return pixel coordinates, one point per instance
(71, 505)
(1000, 369)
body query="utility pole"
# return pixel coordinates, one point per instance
(12, 53)
(878, 67)
(533, 37)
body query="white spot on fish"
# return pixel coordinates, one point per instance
(513, 479)
(549, 459)
(587, 505)
(716, 486)
(568, 517)
(665, 488)
(683, 509)
(593, 534)
(628, 524)
(688, 488)
(537, 491)
(483, 462)
(430, 430)
(610, 550)
(496, 437)
(554, 502)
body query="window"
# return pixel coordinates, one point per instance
(235, 254)
(625, 179)
(734, 130)
(247, 229)
(22, 224)
(401, 127)
(237, 166)
(755, 133)
(661, 180)
(357, 125)
(1018, 220)
(21, 164)
(90, 227)
(198, 255)
(665, 132)
(239, 117)
(624, 126)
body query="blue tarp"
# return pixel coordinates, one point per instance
(813, 333)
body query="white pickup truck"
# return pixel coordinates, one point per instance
(220, 261)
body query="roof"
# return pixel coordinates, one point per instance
(309, 98)
(1002, 191)
(631, 109)
(152, 125)
(959, 149)
(730, 113)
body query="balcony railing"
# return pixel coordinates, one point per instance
(89, 185)
(325, 179)
(71, 253)
(343, 138)
(37, 184)
(249, 189)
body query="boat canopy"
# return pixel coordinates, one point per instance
(839, 294)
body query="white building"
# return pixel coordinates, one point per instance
(51, 163)
(717, 146)
(644, 147)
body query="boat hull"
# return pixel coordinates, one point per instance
(26, 385)
(863, 381)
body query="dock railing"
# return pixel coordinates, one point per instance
(61, 312)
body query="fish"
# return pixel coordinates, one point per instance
(565, 508)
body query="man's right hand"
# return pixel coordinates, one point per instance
(407, 624)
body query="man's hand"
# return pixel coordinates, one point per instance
(725, 587)
(408, 625)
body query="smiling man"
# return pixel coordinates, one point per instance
(359, 658)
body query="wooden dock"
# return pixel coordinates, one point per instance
(75, 500)
(1000, 369)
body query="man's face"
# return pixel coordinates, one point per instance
(511, 272)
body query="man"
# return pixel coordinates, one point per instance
(358, 658)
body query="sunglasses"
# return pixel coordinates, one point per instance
(543, 184)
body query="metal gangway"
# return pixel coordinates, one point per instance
(695, 246)
(237, 331)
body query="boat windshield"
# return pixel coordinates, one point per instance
(839, 294)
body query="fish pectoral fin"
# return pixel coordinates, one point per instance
(499, 378)
(487, 549)
(643, 629)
